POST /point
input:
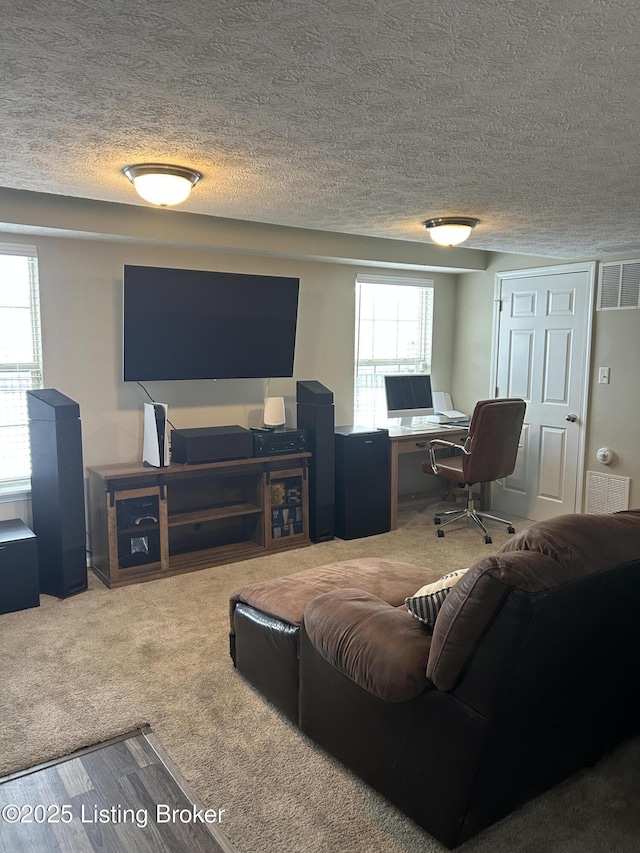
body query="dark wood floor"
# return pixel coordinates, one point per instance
(117, 797)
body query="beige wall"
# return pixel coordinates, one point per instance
(613, 409)
(80, 291)
(474, 327)
(81, 281)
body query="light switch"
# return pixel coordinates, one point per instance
(603, 375)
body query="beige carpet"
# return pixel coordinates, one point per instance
(79, 671)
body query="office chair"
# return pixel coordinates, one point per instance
(488, 453)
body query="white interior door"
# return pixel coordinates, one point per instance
(542, 339)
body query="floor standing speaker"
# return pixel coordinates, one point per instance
(57, 492)
(315, 414)
(363, 482)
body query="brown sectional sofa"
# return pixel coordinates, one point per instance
(531, 673)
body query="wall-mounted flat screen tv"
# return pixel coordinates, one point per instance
(194, 324)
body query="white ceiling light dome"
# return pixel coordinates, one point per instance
(450, 230)
(161, 184)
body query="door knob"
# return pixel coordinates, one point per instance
(571, 418)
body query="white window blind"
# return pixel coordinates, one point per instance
(394, 329)
(20, 360)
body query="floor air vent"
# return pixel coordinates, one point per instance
(619, 285)
(607, 493)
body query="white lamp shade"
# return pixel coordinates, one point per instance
(164, 190)
(450, 230)
(274, 411)
(449, 235)
(161, 184)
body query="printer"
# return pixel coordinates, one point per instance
(444, 413)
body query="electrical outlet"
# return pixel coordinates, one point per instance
(603, 375)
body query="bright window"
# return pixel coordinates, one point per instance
(20, 360)
(394, 325)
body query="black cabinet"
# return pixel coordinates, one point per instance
(18, 567)
(363, 482)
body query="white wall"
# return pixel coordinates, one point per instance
(16, 508)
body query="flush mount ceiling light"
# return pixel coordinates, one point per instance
(450, 230)
(161, 184)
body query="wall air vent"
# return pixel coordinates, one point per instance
(607, 493)
(619, 285)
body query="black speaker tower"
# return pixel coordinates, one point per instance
(316, 416)
(57, 492)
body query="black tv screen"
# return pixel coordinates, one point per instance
(194, 324)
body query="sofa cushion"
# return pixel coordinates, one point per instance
(548, 554)
(380, 647)
(425, 604)
(285, 598)
(472, 604)
(583, 544)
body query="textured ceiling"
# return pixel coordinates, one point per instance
(353, 116)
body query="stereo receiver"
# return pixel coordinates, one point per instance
(277, 441)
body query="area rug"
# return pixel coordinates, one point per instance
(85, 669)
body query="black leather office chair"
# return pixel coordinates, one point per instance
(488, 453)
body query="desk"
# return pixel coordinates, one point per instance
(405, 440)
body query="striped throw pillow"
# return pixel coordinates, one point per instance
(426, 603)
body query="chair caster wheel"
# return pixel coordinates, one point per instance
(488, 540)
(511, 529)
(440, 534)
(436, 520)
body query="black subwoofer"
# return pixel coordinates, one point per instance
(57, 492)
(18, 566)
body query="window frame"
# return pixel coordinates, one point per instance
(12, 488)
(396, 280)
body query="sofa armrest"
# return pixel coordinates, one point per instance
(380, 647)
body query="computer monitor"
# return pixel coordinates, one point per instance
(408, 396)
